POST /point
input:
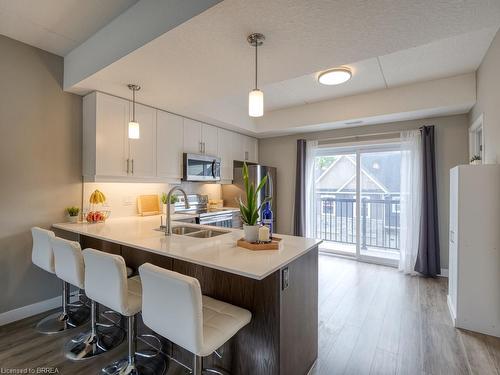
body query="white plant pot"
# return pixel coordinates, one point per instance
(251, 232)
(164, 208)
(73, 219)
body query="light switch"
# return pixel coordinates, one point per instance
(285, 278)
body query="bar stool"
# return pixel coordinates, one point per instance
(43, 257)
(106, 282)
(173, 306)
(69, 266)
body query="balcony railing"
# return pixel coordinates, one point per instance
(380, 218)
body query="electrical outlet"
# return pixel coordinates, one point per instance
(285, 278)
(128, 200)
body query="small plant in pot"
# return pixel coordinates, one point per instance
(73, 214)
(250, 210)
(173, 200)
(475, 160)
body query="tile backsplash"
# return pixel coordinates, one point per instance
(122, 196)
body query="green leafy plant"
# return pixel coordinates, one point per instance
(73, 211)
(475, 157)
(173, 199)
(250, 210)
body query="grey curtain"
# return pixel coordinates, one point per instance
(299, 222)
(428, 261)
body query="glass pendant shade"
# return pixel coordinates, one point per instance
(133, 130)
(256, 103)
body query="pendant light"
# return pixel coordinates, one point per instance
(256, 96)
(133, 126)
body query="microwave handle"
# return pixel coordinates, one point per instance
(213, 168)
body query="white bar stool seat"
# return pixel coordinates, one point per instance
(106, 282)
(43, 257)
(173, 306)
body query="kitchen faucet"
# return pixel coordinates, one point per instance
(168, 224)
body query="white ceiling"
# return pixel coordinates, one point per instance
(204, 67)
(442, 58)
(57, 26)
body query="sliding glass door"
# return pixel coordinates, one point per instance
(357, 201)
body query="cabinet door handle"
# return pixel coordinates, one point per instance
(132, 166)
(200, 147)
(246, 155)
(128, 163)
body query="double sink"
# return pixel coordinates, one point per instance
(195, 232)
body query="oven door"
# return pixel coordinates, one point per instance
(201, 168)
(224, 220)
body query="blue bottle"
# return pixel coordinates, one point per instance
(267, 217)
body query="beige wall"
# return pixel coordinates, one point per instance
(40, 164)
(488, 100)
(451, 150)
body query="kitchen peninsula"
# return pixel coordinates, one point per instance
(280, 288)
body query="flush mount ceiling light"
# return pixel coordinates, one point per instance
(133, 126)
(335, 76)
(256, 96)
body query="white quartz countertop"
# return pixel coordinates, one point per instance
(218, 252)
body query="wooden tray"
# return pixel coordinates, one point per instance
(274, 245)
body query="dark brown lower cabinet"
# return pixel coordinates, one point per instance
(282, 337)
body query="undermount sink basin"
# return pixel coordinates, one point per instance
(194, 232)
(206, 233)
(184, 230)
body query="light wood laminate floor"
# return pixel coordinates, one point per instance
(373, 320)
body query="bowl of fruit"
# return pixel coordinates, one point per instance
(97, 212)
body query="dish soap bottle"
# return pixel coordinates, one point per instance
(267, 217)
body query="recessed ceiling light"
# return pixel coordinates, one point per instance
(334, 76)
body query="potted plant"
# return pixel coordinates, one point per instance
(250, 210)
(475, 160)
(173, 200)
(73, 214)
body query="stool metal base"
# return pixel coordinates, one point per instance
(88, 345)
(60, 322)
(150, 366)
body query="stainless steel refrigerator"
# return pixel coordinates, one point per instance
(230, 193)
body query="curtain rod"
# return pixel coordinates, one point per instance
(395, 133)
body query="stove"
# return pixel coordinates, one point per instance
(198, 207)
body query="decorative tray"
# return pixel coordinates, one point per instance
(275, 244)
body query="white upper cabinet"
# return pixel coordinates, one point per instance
(109, 155)
(251, 150)
(105, 120)
(245, 148)
(169, 145)
(209, 139)
(142, 157)
(200, 138)
(192, 136)
(226, 153)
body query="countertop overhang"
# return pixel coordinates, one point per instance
(218, 252)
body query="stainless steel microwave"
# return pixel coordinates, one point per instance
(201, 168)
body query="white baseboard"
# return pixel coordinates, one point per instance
(452, 311)
(29, 310)
(444, 272)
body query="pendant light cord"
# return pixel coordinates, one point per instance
(256, 67)
(133, 106)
